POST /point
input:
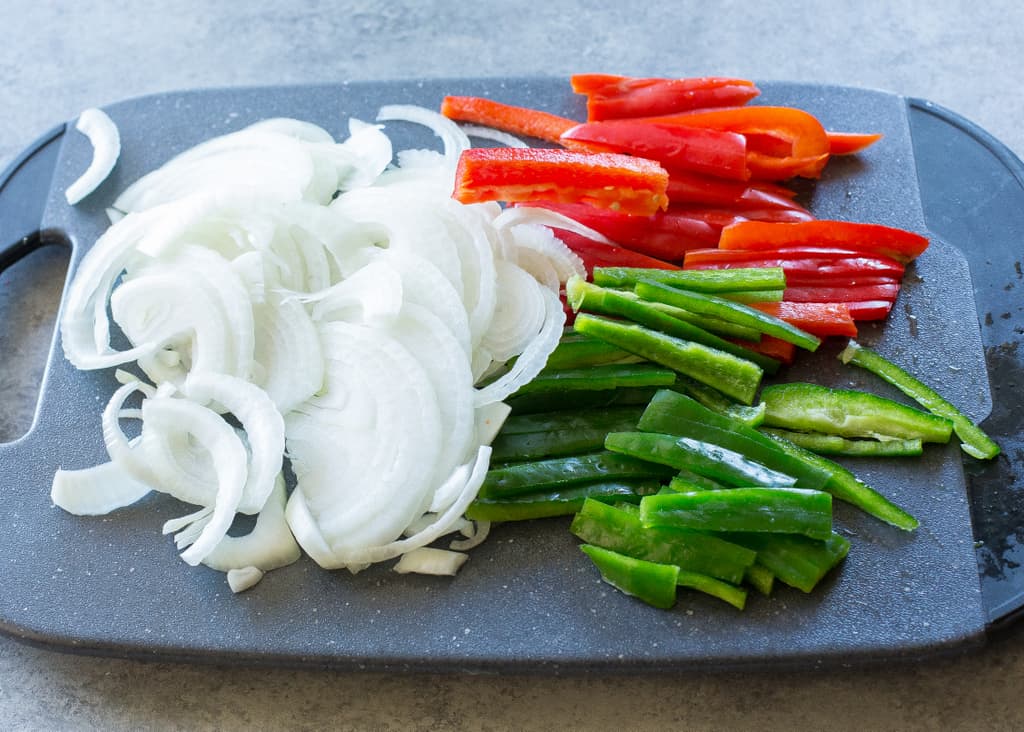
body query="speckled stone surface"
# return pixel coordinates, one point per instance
(59, 57)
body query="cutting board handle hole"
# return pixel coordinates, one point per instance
(32, 278)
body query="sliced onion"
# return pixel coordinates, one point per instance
(245, 578)
(268, 546)
(454, 139)
(425, 560)
(97, 490)
(106, 148)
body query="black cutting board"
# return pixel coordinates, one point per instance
(528, 599)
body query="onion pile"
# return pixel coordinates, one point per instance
(287, 297)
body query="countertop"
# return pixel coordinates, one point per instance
(60, 57)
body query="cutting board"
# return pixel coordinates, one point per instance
(528, 600)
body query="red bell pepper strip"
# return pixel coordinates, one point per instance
(598, 254)
(620, 182)
(869, 310)
(712, 152)
(808, 145)
(857, 293)
(615, 97)
(821, 319)
(810, 271)
(692, 188)
(847, 143)
(892, 242)
(516, 120)
(722, 217)
(771, 347)
(664, 235)
(821, 255)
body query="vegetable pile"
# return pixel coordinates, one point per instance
(680, 467)
(397, 335)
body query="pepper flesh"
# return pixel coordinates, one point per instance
(848, 413)
(621, 182)
(736, 377)
(621, 531)
(650, 582)
(516, 120)
(598, 254)
(899, 244)
(973, 439)
(772, 510)
(611, 97)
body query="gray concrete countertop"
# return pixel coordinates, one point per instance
(57, 58)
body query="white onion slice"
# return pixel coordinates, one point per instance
(489, 133)
(106, 148)
(245, 578)
(426, 560)
(454, 139)
(268, 546)
(95, 491)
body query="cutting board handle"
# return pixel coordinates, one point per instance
(24, 186)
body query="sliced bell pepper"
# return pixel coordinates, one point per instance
(692, 188)
(621, 182)
(821, 319)
(849, 413)
(719, 218)
(774, 510)
(869, 309)
(719, 153)
(856, 293)
(621, 531)
(847, 143)
(664, 235)
(885, 240)
(844, 259)
(516, 120)
(650, 582)
(598, 254)
(973, 439)
(613, 97)
(852, 270)
(807, 141)
(772, 347)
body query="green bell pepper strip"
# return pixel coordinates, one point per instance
(583, 295)
(599, 378)
(532, 436)
(547, 475)
(814, 408)
(617, 527)
(751, 296)
(823, 444)
(563, 401)
(687, 481)
(557, 503)
(760, 578)
(795, 560)
(845, 486)
(772, 510)
(973, 439)
(650, 582)
(727, 310)
(735, 596)
(704, 458)
(699, 280)
(576, 353)
(712, 399)
(736, 377)
(712, 325)
(670, 412)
